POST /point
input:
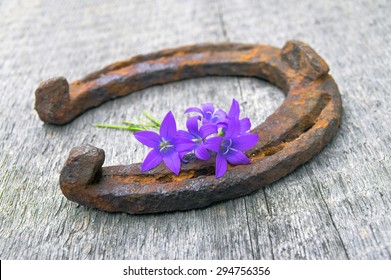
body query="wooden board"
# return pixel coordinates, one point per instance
(337, 206)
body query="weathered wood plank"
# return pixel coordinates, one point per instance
(335, 207)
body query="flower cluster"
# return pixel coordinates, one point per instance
(210, 131)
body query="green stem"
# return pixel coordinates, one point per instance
(130, 128)
(143, 125)
(140, 126)
(152, 119)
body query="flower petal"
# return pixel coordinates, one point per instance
(193, 110)
(183, 144)
(237, 157)
(184, 134)
(244, 142)
(148, 138)
(213, 143)
(151, 160)
(192, 125)
(218, 116)
(207, 129)
(245, 125)
(233, 129)
(208, 109)
(234, 112)
(221, 165)
(223, 125)
(168, 127)
(173, 162)
(202, 153)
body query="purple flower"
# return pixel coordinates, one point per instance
(234, 113)
(165, 147)
(208, 113)
(231, 146)
(198, 136)
(225, 134)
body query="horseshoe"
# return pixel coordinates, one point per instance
(304, 123)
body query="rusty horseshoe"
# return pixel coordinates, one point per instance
(304, 123)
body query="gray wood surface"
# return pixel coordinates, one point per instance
(337, 206)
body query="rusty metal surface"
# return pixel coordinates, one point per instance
(305, 122)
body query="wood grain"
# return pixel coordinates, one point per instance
(335, 207)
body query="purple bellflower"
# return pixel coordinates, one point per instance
(208, 113)
(234, 140)
(165, 147)
(231, 147)
(198, 136)
(224, 134)
(234, 113)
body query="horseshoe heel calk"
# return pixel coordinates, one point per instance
(304, 123)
